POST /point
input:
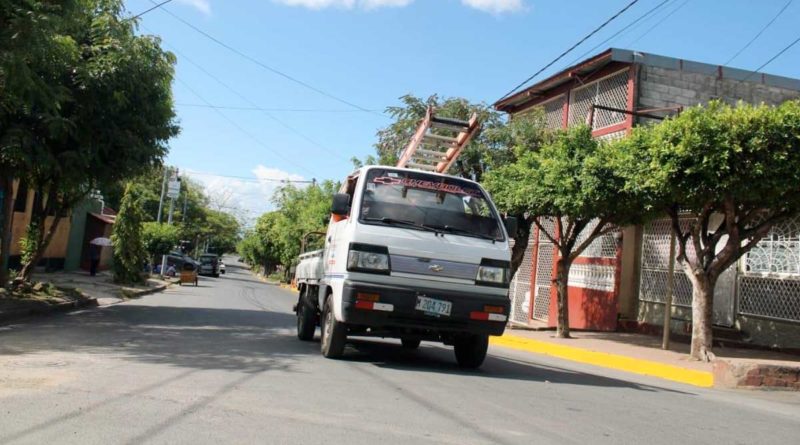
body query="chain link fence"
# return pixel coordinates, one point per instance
(611, 91)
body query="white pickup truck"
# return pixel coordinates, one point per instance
(410, 255)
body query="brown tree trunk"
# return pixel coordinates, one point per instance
(702, 318)
(562, 284)
(45, 236)
(5, 230)
(524, 226)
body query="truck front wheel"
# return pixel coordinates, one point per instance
(306, 319)
(334, 333)
(471, 350)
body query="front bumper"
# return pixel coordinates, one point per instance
(404, 317)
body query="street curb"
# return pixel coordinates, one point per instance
(605, 360)
(137, 294)
(46, 310)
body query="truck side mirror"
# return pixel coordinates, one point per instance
(511, 226)
(341, 204)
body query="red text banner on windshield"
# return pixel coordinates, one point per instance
(428, 185)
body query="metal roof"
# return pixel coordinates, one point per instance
(630, 56)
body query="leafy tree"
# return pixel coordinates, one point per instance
(158, 239)
(129, 249)
(725, 175)
(113, 116)
(569, 181)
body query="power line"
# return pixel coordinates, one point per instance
(273, 110)
(761, 31)
(247, 178)
(148, 10)
(265, 66)
(780, 53)
(586, 37)
(242, 130)
(266, 113)
(621, 31)
(656, 25)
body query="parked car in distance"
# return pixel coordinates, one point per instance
(221, 266)
(209, 264)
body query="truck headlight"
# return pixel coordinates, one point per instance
(493, 273)
(368, 258)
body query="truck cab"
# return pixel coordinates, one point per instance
(412, 255)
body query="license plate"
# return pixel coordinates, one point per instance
(434, 306)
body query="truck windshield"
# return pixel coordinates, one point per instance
(426, 202)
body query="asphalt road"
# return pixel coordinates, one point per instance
(220, 363)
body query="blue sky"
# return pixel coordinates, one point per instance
(370, 52)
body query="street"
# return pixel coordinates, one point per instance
(221, 363)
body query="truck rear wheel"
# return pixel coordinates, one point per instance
(334, 333)
(471, 350)
(306, 319)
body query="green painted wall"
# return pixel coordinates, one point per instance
(76, 232)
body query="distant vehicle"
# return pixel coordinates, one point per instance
(179, 259)
(221, 267)
(209, 264)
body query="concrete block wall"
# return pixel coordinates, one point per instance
(661, 87)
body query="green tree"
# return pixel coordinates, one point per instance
(129, 250)
(114, 76)
(725, 175)
(569, 181)
(158, 239)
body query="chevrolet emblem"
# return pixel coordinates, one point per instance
(435, 268)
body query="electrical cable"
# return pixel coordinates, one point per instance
(265, 66)
(780, 53)
(621, 31)
(148, 10)
(273, 110)
(758, 34)
(242, 130)
(586, 37)
(247, 178)
(253, 104)
(663, 19)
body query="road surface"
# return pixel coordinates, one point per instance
(220, 363)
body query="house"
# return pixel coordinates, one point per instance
(623, 276)
(68, 249)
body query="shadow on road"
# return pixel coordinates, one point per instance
(200, 338)
(442, 361)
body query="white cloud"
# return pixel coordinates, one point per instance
(496, 6)
(247, 197)
(203, 6)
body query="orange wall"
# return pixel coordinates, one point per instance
(57, 247)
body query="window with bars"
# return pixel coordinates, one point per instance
(611, 91)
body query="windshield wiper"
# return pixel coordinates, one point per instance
(401, 222)
(458, 231)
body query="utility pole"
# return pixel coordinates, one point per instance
(173, 192)
(670, 286)
(161, 199)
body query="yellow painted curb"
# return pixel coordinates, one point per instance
(605, 360)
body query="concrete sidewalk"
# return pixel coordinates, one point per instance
(101, 286)
(642, 354)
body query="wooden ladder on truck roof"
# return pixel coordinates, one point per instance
(430, 150)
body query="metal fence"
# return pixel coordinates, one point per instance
(611, 91)
(520, 289)
(765, 283)
(544, 273)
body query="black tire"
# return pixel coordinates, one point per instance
(471, 350)
(306, 320)
(410, 343)
(216, 275)
(334, 333)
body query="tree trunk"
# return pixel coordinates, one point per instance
(562, 283)
(45, 236)
(524, 226)
(702, 311)
(5, 229)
